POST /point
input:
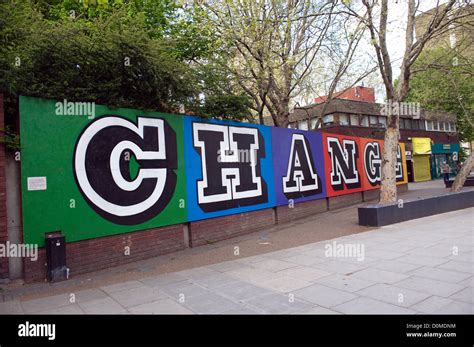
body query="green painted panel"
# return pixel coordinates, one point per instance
(48, 142)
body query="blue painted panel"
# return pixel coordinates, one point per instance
(230, 167)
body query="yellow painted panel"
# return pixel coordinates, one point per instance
(421, 168)
(404, 164)
(421, 145)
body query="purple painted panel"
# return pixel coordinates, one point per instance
(298, 165)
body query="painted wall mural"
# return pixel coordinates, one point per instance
(229, 167)
(343, 165)
(298, 165)
(371, 162)
(124, 170)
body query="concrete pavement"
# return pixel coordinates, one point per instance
(420, 266)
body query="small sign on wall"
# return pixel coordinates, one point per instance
(36, 183)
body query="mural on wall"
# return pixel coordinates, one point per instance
(229, 167)
(298, 165)
(342, 164)
(122, 170)
(102, 167)
(119, 171)
(401, 168)
(372, 162)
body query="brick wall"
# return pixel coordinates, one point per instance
(304, 209)
(95, 254)
(220, 228)
(3, 197)
(371, 195)
(344, 200)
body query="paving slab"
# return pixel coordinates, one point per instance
(422, 260)
(283, 283)
(44, 304)
(121, 286)
(323, 296)
(430, 286)
(339, 267)
(102, 306)
(87, 295)
(466, 295)
(364, 305)
(185, 289)
(136, 296)
(278, 304)
(304, 273)
(69, 309)
(434, 273)
(214, 280)
(395, 266)
(164, 306)
(431, 305)
(162, 280)
(462, 266)
(242, 291)
(273, 265)
(393, 295)
(344, 282)
(380, 276)
(210, 303)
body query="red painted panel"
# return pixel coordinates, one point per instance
(343, 176)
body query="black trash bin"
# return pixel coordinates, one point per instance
(57, 269)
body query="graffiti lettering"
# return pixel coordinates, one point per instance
(343, 164)
(301, 178)
(372, 162)
(104, 176)
(228, 182)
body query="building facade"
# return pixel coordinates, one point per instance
(368, 119)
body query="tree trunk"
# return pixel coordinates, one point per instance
(388, 183)
(463, 173)
(283, 114)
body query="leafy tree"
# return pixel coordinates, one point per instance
(443, 80)
(141, 54)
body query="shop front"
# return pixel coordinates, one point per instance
(444, 153)
(421, 153)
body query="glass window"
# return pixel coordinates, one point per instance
(441, 126)
(407, 122)
(402, 123)
(435, 126)
(422, 124)
(343, 119)
(415, 124)
(314, 121)
(429, 125)
(328, 119)
(446, 126)
(453, 126)
(303, 125)
(373, 121)
(354, 120)
(383, 121)
(364, 121)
